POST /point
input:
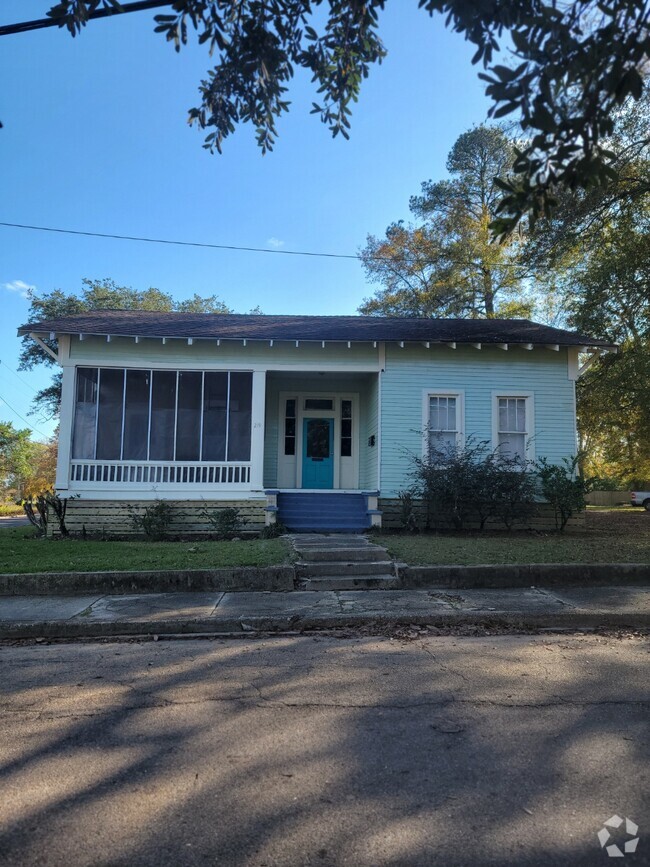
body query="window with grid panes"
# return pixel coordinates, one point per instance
(443, 421)
(512, 426)
(346, 428)
(290, 427)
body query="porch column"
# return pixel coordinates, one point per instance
(257, 429)
(65, 429)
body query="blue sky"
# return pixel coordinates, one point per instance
(95, 138)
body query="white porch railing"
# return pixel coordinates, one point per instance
(86, 473)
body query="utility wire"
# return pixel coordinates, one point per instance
(107, 12)
(24, 382)
(181, 243)
(236, 247)
(23, 419)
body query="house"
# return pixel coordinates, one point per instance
(304, 419)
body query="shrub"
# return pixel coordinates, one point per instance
(37, 510)
(514, 492)
(442, 477)
(564, 487)
(272, 531)
(154, 521)
(407, 515)
(471, 483)
(226, 522)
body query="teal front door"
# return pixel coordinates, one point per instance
(318, 453)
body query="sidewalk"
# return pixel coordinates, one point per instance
(95, 615)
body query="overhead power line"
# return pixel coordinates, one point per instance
(11, 370)
(106, 12)
(181, 243)
(22, 418)
(238, 247)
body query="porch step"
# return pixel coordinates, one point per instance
(336, 554)
(341, 582)
(345, 562)
(342, 540)
(347, 568)
(333, 526)
(327, 511)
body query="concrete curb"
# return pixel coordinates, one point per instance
(523, 575)
(567, 619)
(282, 578)
(278, 578)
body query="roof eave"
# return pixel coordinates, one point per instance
(584, 345)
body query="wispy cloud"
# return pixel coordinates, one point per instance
(19, 287)
(275, 242)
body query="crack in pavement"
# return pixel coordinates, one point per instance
(548, 595)
(443, 667)
(266, 703)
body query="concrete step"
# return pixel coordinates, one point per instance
(356, 541)
(316, 570)
(364, 553)
(338, 582)
(325, 540)
(331, 526)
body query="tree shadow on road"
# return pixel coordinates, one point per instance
(308, 750)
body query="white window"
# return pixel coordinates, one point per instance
(513, 425)
(443, 419)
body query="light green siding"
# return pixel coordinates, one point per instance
(409, 372)
(231, 353)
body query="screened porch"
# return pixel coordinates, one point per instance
(164, 429)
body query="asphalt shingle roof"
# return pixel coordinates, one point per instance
(139, 323)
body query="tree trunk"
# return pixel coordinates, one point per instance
(488, 293)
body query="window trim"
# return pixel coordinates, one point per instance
(459, 394)
(529, 397)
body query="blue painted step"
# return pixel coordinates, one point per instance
(303, 511)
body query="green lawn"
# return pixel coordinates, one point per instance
(437, 550)
(611, 536)
(20, 551)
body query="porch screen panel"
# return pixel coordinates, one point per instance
(239, 416)
(188, 418)
(109, 414)
(163, 415)
(85, 414)
(215, 405)
(136, 415)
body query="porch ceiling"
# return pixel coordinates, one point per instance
(309, 378)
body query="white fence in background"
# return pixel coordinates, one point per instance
(143, 474)
(608, 498)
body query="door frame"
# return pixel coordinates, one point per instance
(335, 413)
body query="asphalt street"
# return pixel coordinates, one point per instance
(318, 750)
